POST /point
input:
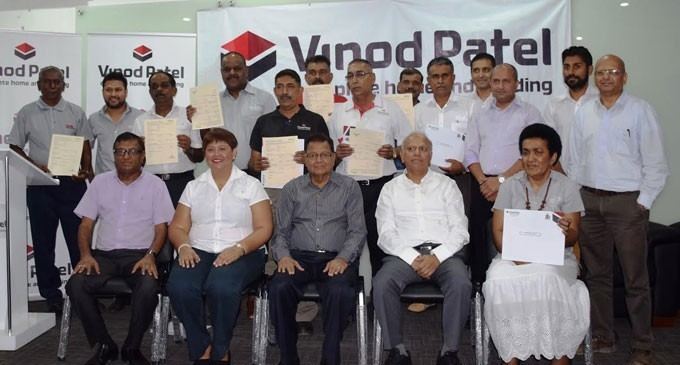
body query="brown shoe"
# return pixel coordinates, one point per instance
(419, 307)
(641, 357)
(599, 345)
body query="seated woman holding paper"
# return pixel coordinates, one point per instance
(535, 309)
(221, 223)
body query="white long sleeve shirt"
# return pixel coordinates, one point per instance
(409, 214)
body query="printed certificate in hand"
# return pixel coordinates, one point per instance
(206, 100)
(280, 152)
(532, 236)
(319, 99)
(365, 160)
(405, 102)
(160, 139)
(446, 144)
(65, 153)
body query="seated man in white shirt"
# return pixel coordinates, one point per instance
(422, 228)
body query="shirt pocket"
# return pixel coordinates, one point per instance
(623, 142)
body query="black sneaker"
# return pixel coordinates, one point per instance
(396, 358)
(133, 357)
(103, 354)
(449, 358)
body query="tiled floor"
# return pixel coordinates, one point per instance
(422, 338)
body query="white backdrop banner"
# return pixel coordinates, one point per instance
(138, 56)
(392, 34)
(22, 55)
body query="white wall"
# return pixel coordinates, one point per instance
(47, 20)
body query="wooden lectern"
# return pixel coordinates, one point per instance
(17, 326)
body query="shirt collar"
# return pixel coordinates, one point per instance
(249, 89)
(105, 108)
(591, 92)
(514, 103)
(236, 174)
(452, 100)
(335, 179)
(60, 105)
(378, 102)
(423, 181)
(620, 102)
(138, 179)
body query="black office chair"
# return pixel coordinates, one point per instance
(117, 287)
(310, 294)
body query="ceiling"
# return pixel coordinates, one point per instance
(46, 4)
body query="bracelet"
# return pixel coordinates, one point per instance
(239, 245)
(182, 245)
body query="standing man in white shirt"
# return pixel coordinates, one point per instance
(480, 71)
(616, 155)
(423, 229)
(162, 88)
(577, 66)
(491, 156)
(368, 111)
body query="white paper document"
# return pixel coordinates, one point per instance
(319, 99)
(160, 139)
(365, 160)
(206, 100)
(280, 151)
(405, 102)
(446, 144)
(65, 153)
(532, 236)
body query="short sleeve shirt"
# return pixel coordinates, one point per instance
(303, 125)
(105, 131)
(563, 195)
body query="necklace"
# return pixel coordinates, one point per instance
(528, 205)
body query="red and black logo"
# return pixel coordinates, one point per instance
(142, 53)
(29, 252)
(24, 51)
(259, 53)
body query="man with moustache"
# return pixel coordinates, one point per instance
(577, 66)
(163, 88)
(368, 111)
(491, 156)
(410, 82)
(617, 156)
(133, 208)
(48, 206)
(318, 72)
(114, 118)
(242, 103)
(480, 71)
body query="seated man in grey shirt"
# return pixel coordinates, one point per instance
(320, 232)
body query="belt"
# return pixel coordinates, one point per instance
(600, 192)
(426, 248)
(380, 180)
(185, 174)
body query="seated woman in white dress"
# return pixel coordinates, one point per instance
(537, 309)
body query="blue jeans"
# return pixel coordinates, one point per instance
(221, 287)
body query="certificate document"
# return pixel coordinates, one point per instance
(365, 160)
(532, 236)
(405, 102)
(65, 153)
(206, 100)
(319, 99)
(160, 139)
(280, 152)
(446, 144)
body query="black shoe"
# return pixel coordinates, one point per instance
(396, 358)
(103, 354)
(222, 362)
(133, 357)
(449, 358)
(305, 328)
(202, 362)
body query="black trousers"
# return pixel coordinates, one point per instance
(480, 213)
(176, 184)
(370, 192)
(47, 207)
(114, 264)
(338, 297)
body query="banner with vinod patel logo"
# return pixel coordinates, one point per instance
(138, 56)
(393, 35)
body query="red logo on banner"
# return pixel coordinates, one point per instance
(142, 53)
(251, 46)
(29, 252)
(24, 51)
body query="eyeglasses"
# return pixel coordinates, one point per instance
(127, 151)
(162, 85)
(358, 75)
(610, 72)
(323, 155)
(413, 149)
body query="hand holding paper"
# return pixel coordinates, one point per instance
(532, 236)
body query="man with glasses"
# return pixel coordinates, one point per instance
(617, 156)
(162, 88)
(319, 235)
(368, 111)
(133, 208)
(48, 206)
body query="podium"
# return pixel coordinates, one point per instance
(17, 325)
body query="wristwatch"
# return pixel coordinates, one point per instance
(152, 253)
(501, 179)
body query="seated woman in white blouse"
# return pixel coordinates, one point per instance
(535, 309)
(221, 223)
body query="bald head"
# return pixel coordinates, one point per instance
(610, 77)
(505, 67)
(612, 58)
(504, 84)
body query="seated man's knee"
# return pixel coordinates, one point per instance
(281, 283)
(75, 284)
